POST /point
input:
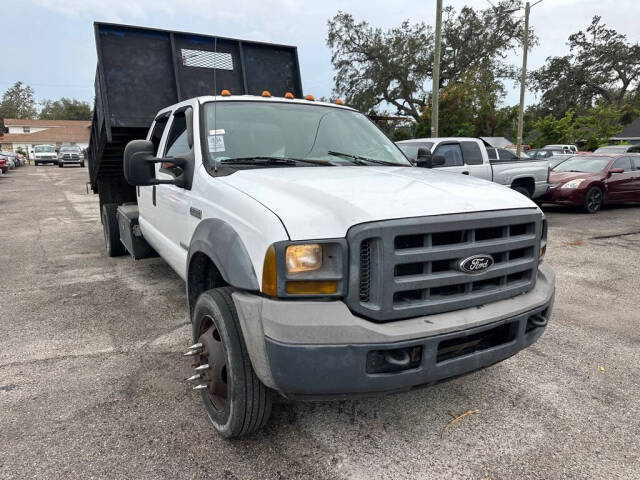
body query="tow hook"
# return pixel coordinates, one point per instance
(538, 320)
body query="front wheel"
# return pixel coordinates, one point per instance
(237, 402)
(593, 200)
(522, 190)
(60, 164)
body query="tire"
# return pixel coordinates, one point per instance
(81, 164)
(36, 163)
(114, 246)
(524, 191)
(60, 164)
(593, 200)
(247, 405)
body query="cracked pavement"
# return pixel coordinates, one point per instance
(91, 376)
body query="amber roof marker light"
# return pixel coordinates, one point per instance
(310, 98)
(225, 93)
(340, 101)
(266, 93)
(288, 95)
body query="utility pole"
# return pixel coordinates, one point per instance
(523, 78)
(435, 91)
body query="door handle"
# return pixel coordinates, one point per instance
(466, 172)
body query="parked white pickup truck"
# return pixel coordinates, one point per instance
(318, 261)
(469, 156)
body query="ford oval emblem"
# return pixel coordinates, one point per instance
(476, 263)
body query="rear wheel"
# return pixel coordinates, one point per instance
(114, 246)
(60, 164)
(593, 200)
(236, 401)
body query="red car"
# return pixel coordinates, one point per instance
(4, 168)
(591, 181)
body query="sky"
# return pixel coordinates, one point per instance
(49, 44)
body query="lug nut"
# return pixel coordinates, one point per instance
(202, 368)
(200, 387)
(192, 378)
(191, 353)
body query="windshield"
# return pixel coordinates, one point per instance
(612, 149)
(583, 164)
(44, 149)
(69, 149)
(316, 133)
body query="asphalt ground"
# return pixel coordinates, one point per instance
(91, 372)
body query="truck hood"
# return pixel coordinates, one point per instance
(324, 202)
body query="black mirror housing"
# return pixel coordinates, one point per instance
(438, 160)
(423, 159)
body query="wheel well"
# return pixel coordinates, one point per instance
(527, 183)
(202, 275)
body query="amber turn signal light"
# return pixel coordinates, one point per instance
(312, 287)
(270, 273)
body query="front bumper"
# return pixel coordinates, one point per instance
(566, 196)
(320, 349)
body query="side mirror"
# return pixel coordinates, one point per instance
(616, 170)
(139, 165)
(423, 159)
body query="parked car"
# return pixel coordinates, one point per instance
(591, 181)
(45, 154)
(541, 153)
(470, 156)
(618, 149)
(4, 168)
(566, 148)
(10, 160)
(70, 155)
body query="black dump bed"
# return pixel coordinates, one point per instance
(143, 70)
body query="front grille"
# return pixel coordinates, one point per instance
(70, 156)
(410, 267)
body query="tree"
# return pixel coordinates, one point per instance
(65, 109)
(553, 131)
(18, 102)
(376, 68)
(602, 67)
(598, 125)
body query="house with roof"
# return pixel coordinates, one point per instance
(630, 133)
(25, 134)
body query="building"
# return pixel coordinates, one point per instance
(23, 134)
(630, 133)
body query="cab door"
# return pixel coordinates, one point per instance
(474, 160)
(173, 203)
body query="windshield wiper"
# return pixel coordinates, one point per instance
(359, 159)
(269, 160)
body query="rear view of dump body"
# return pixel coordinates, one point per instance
(141, 71)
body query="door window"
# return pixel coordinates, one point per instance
(636, 163)
(452, 155)
(491, 152)
(156, 133)
(624, 163)
(472, 154)
(177, 143)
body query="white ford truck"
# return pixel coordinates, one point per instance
(319, 262)
(469, 156)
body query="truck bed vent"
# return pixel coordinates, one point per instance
(206, 59)
(365, 270)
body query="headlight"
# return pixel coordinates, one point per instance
(573, 183)
(309, 269)
(303, 258)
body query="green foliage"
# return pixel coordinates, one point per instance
(376, 68)
(597, 125)
(18, 102)
(554, 130)
(65, 109)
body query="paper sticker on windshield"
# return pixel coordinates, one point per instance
(220, 131)
(216, 143)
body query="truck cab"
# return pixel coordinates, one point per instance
(319, 263)
(45, 154)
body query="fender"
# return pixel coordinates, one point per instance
(222, 244)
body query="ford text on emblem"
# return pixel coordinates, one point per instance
(476, 263)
